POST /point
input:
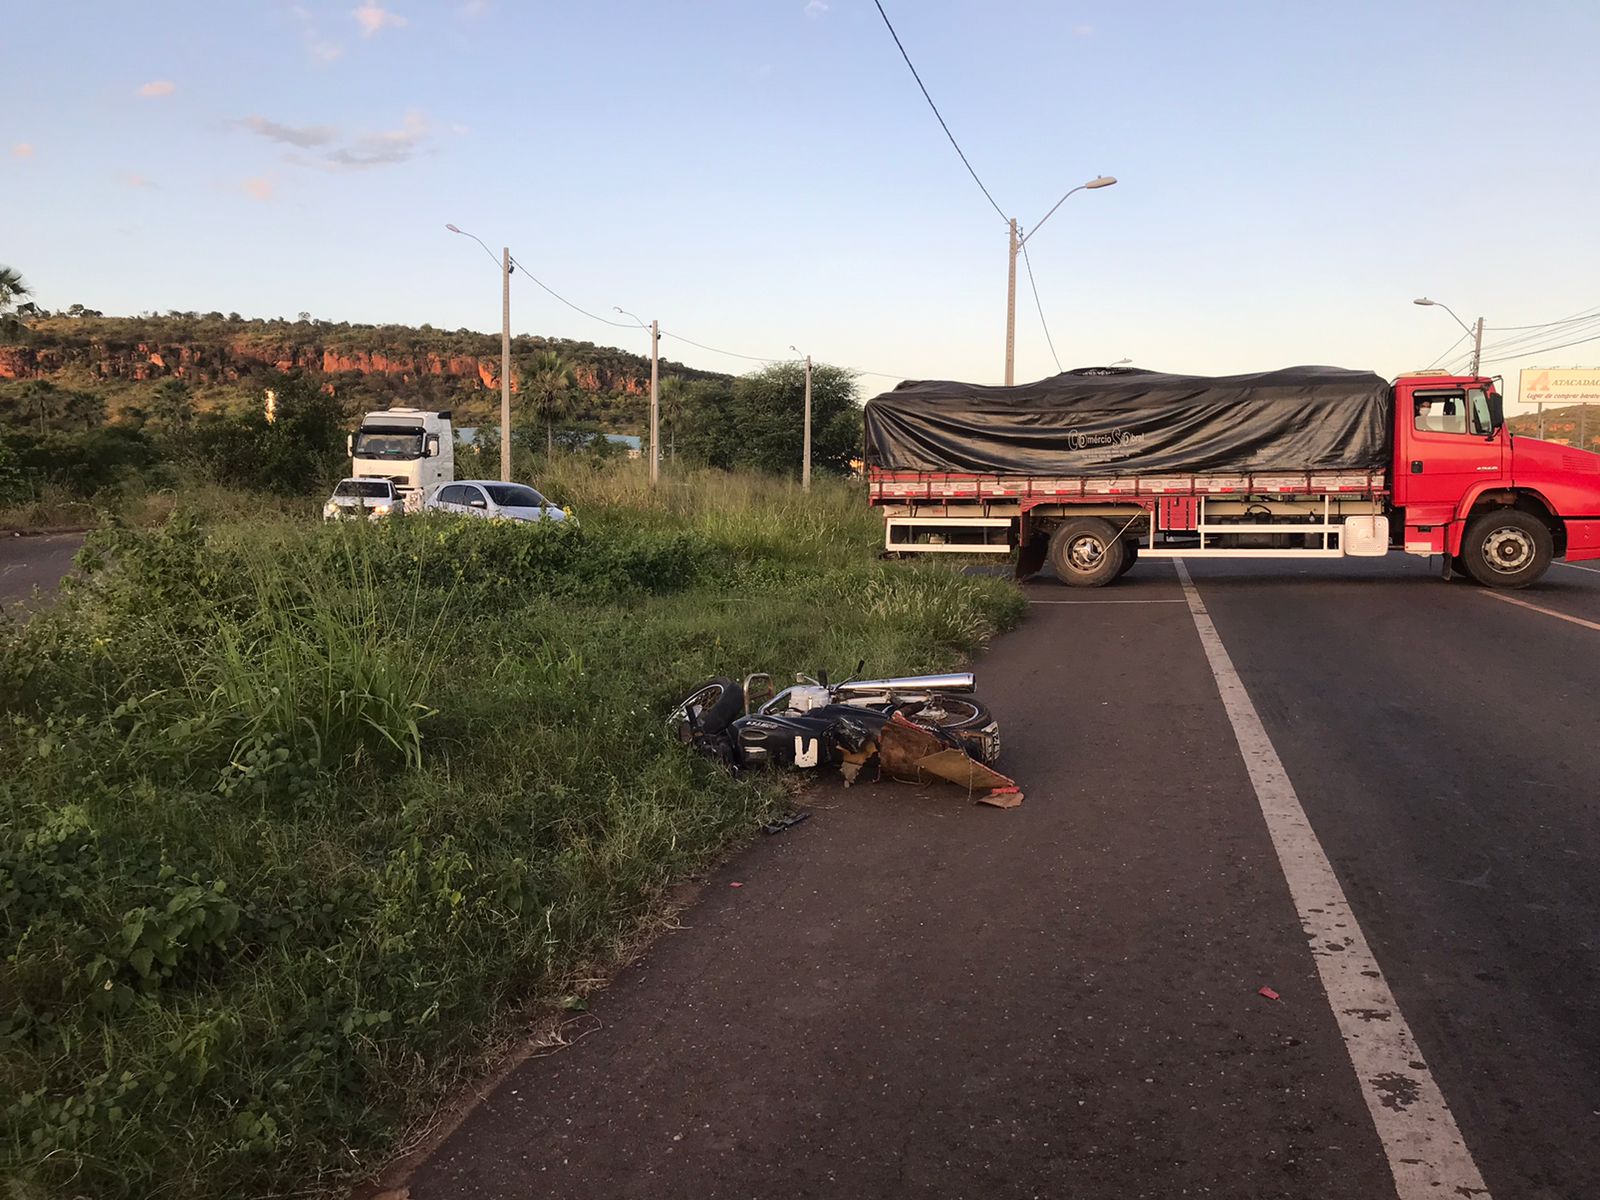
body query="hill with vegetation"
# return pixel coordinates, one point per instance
(1570, 426)
(225, 361)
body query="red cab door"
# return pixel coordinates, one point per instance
(1448, 446)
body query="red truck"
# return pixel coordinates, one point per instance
(1093, 469)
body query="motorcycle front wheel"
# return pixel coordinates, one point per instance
(709, 709)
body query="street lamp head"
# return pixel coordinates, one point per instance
(452, 229)
(1425, 302)
(1102, 181)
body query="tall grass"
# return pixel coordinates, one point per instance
(293, 817)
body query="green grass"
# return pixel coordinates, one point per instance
(296, 820)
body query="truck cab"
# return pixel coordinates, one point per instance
(1501, 507)
(412, 447)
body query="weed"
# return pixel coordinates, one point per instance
(291, 815)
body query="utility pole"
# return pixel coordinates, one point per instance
(1011, 308)
(655, 403)
(505, 364)
(805, 468)
(1017, 239)
(1477, 346)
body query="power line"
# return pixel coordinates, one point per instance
(564, 300)
(1547, 324)
(1565, 329)
(936, 112)
(1545, 349)
(1447, 350)
(1049, 341)
(729, 353)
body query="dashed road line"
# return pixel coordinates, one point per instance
(1427, 1155)
(1539, 608)
(1578, 567)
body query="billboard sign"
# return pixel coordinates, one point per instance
(1560, 385)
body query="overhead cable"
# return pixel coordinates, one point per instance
(568, 303)
(937, 114)
(1049, 341)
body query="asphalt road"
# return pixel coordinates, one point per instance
(27, 563)
(913, 997)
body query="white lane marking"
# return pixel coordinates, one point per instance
(1178, 600)
(1539, 608)
(1577, 567)
(1426, 1153)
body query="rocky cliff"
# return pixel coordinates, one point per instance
(218, 351)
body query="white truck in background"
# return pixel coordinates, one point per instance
(414, 448)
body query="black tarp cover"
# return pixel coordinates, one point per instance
(1107, 421)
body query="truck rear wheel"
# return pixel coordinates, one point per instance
(1087, 552)
(1507, 548)
(1131, 552)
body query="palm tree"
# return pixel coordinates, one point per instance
(670, 397)
(12, 290)
(547, 381)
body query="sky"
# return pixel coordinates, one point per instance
(765, 174)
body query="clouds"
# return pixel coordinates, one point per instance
(815, 8)
(306, 137)
(337, 150)
(22, 150)
(260, 188)
(373, 17)
(134, 180)
(157, 87)
(382, 149)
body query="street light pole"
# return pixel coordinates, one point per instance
(655, 393)
(1017, 242)
(805, 453)
(655, 403)
(505, 349)
(1475, 330)
(1011, 306)
(505, 365)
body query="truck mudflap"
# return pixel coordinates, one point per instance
(1583, 538)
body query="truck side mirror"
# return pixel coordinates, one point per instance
(350, 445)
(431, 450)
(1497, 413)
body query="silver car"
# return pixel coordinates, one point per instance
(491, 498)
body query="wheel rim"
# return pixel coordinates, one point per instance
(1508, 550)
(946, 711)
(687, 715)
(1085, 551)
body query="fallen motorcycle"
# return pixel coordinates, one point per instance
(902, 723)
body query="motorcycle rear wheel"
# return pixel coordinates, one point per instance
(968, 718)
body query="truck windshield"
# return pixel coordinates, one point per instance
(389, 443)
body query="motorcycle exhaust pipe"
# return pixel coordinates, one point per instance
(956, 681)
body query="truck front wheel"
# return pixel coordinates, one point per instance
(1507, 548)
(1087, 552)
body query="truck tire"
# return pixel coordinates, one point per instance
(1507, 548)
(1086, 552)
(1132, 552)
